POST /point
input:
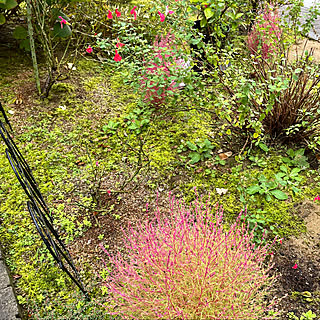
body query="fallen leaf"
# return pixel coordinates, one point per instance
(199, 170)
(225, 155)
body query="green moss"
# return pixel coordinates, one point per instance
(62, 87)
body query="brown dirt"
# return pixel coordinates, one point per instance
(299, 288)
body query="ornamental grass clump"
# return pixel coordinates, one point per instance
(184, 264)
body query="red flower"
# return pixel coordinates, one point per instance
(117, 57)
(118, 13)
(280, 241)
(134, 12)
(89, 49)
(119, 44)
(316, 198)
(295, 266)
(109, 192)
(168, 11)
(109, 15)
(62, 22)
(162, 16)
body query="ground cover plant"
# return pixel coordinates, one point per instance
(150, 98)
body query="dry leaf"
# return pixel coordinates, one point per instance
(79, 163)
(225, 155)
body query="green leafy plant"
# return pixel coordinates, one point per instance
(259, 224)
(219, 161)
(289, 178)
(296, 159)
(138, 120)
(257, 161)
(268, 188)
(309, 315)
(5, 7)
(199, 151)
(111, 127)
(21, 34)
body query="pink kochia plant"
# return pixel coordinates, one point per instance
(266, 33)
(185, 265)
(157, 79)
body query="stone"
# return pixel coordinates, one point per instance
(8, 305)
(4, 278)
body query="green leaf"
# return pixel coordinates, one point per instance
(203, 22)
(280, 195)
(194, 157)
(61, 33)
(284, 169)
(56, 13)
(25, 44)
(20, 33)
(295, 171)
(9, 4)
(191, 146)
(300, 152)
(208, 13)
(263, 147)
(253, 189)
(295, 189)
(290, 153)
(2, 19)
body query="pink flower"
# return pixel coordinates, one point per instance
(109, 15)
(316, 198)
(280, 241)
(89, 49)
(162, 16)
(117, 57)
(134, 12)
(97, 163)
(119, 44)
(62, 22)
(109, 192)
(118, 13)
(168, 11)
(295, 266)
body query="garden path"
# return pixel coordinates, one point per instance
(9, 309)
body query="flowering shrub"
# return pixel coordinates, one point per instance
(160, 73)
(187, 266)
(265, 36)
